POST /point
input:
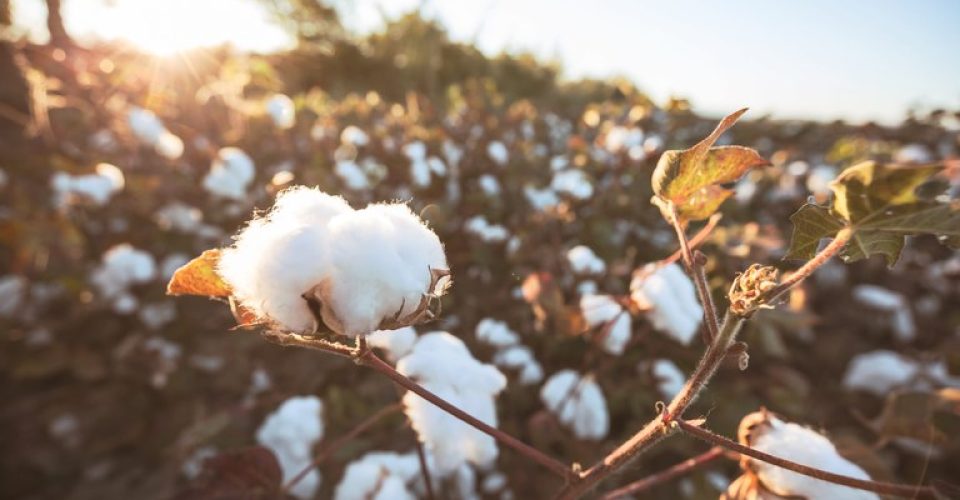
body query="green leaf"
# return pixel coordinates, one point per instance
(882, 207)
(690, 179)
(811, 224)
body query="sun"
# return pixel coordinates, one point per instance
(173, 26)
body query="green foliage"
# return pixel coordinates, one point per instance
(882, 206)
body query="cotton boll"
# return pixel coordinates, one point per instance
(443, 365)
(290, 433)
(415, 151)
(489, 185)
(379, 475)
(230, 174)
(903, 326)
(671, 298)
(352, 175)
(493, 483)
(155, 316)
(495, 333)
(354, 136)
(622, 138)
(193, 465)
(818, 181)
(420, 173)
(497, 152)
(807, 447)
(670, 379)
(452, 152)
(13, 290)
(150, 130)
(583, 261)
(603, 310)
(169, 146)
(559, 162)
(396, 343)
(437, 166)
(517, 357)
(96, 188)
(572, 182)
(122, 266)
(577, 403)
(491, 233)
(880, 372)
(541, 199)
(913, 153)
(281, 111)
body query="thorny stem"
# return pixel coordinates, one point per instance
(839, 241)
(694, 265)
(332, 448)
(675, 471)
(883, 488)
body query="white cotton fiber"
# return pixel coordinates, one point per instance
(583, 261)
(352, 175)
(363, 266)
(281, 111)
(572, 182)
(520, 358)
(880, 372)
(396, 343)
(603, 311)
(541, 199)
(901, 317)
(577, 403)
(804, 446)
(290, 433)
(97, 187)
(150, 130)
(495, 333)
(671, 299)
(13, 290)
(354, 136)
(479, 226)
(379, 475)
(489, 185)
(443, 365)
(670, 379)
(123, 266)
(497, 152)
(230, 174)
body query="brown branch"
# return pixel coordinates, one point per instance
(839, 241)
(338, 443)
(424, 470)
(666, 475)
(369, 359)
(694, 242)
(883, 488)
(694, 265)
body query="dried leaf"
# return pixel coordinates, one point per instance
(199, 277)
(690, 179)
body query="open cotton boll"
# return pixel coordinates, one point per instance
(290, 433)
(281, 111)
(354, 136)
(379, 476)
(362, 266)
(583, 261)
(352, 175)
(443, 365)
(495, 333)
(913, 153)
(397, 343)
(121, 267)
(13, 290)
(150, 130)
(880, 372)
(517, 357)
(230, 174)
(807, 447)
(903, 326)
(541, 199)
(489, 185)
(671, 299)
(96, 188)
(577, 403)
(604, 310)
(572, 182)
(491, 233)
(670, 379)
(415, 151)
(622, 138)
(497, 152)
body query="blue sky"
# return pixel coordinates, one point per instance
(851, 59)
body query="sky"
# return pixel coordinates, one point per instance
(856, 60)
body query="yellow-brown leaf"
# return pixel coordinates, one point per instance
(199, 277)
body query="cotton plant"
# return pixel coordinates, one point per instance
(578, 403)
(230, 174)
(96, 188)
(669, 299)
(443, 365)
(584, 261)
(510, 354)
(893, 303)
(122, 267)
(281, 110)
(611, 318)
(497, 153)
(380, 476)
(489, 185)
(150, 130)
(376, 268)
(291, 432)
(572, 182)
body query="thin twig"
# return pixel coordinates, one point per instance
(883, 488)
(369, 359)
(663, 476)
(424, 470)
(694, 265)
(338, 443)
(839, 241)
(694, 242)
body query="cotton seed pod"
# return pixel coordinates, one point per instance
(748, 289)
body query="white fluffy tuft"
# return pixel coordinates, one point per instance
(290, 433)
(578, 403)
(671, 299)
